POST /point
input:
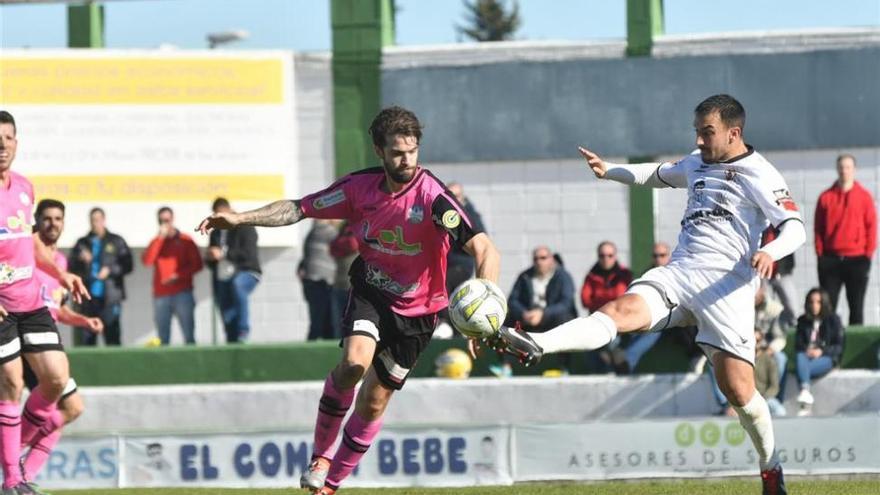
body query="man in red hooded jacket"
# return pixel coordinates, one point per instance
(845, 228)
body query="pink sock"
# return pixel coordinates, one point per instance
(37, 411)
(10, 442)
(42, 444)
(356, 439)
(331, 411)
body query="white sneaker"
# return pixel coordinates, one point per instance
(313, 479)
(805, 397)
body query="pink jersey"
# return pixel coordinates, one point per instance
(403, 237)
(19, 289)
(51, 291)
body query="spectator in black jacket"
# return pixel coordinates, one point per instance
(818, 342)
(542, 296)
(234, 261)
(102, 259)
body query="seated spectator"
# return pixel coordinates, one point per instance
(768, 319)
(542, 296)
(818, 342)
(607, 280)
(767, 373)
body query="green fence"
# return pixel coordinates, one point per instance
(312, 361)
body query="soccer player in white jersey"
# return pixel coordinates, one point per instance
(733, 192)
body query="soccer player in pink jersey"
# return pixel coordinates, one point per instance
(405, 222)
(26, 326)
(50, 224)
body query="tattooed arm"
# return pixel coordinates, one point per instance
(277, 214)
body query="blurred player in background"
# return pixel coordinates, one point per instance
(26, 326)
(406, 222)
(714, 271)
(50, 224)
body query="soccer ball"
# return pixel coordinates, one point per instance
(453, 363)
(477, 308)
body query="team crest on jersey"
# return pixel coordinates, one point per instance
(784, 199)
(415, 214)
(451, 219)
(24, 198)
(329, 199)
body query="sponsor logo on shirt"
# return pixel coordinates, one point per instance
(730, 174)
(381, 280)
(53, 299)
(451, 219)
(783, 199)
(17, 223)
(391, 242)
(329, 199)
(415, 214)
(10, 274)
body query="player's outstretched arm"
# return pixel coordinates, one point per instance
(486, 255)
(643, 174)
(597, 165)
(277, 214)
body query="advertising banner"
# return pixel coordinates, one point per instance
(692, 448)
(80, 462)
(429, 457)
(399, 457)
(130, 131)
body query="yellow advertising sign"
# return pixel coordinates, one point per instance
(152, 188)
(140, 80)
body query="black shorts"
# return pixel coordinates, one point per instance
(31, 331)
(399, 339)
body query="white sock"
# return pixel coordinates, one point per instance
(580, 334)
(755, 419)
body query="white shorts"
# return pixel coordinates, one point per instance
(720, 304)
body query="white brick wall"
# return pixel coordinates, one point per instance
(278, 312)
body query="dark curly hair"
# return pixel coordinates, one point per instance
(392, 121)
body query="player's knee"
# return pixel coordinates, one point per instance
(349, 372)
(11, 386)
(71, 410)
(53, 386)
(629, 313)
(737, 395)
(374, 404)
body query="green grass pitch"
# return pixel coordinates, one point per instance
(714, 487)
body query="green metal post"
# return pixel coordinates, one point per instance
(644, 21)
(360, 29)
(85, 25)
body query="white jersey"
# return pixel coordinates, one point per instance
(729, 206)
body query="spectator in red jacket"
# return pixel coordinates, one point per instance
(845, 237)
(607, 280)
(175, 259)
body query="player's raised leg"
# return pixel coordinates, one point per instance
(736, 379)
(630, 312)
(339, 391)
